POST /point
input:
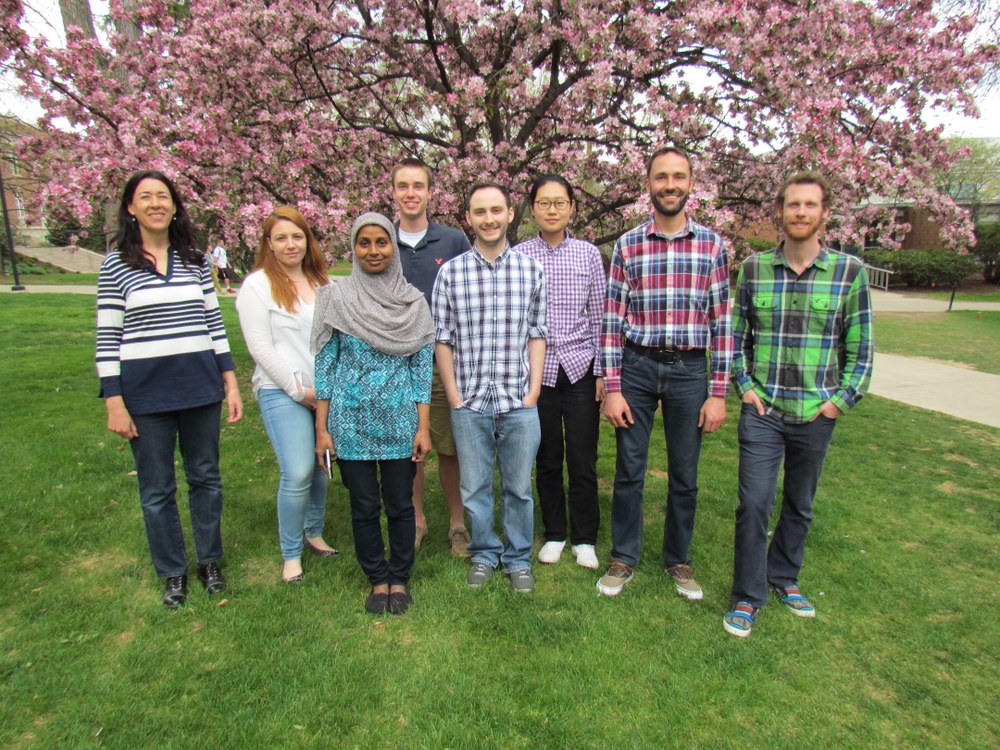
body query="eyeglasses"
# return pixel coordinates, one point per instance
(561, 205)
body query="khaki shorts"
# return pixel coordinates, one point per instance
(441, 436)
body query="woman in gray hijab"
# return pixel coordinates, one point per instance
(373, 338)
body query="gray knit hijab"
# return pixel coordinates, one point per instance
(382, 309)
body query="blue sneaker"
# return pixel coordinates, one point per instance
(792, 598)
(739, 621)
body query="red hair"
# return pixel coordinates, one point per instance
(313, 264)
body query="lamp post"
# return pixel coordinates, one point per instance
(18, 286)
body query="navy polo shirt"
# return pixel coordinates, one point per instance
(422, 263)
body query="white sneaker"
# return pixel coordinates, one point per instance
(586, 557)
(550, 552)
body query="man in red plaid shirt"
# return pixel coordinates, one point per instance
(667, 340)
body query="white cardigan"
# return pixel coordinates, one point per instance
(277, 340)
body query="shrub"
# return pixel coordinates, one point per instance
(924, 267)
(880, 258)
(63, 229)
(987, 249)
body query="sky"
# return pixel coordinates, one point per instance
(42, 16)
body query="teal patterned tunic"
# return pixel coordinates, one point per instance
(373, 397)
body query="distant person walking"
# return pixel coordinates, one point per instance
(220, 260)
(165, 369)
(803, 329)
(210, 262)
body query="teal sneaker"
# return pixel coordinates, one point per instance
(739, 621)
(792, 598)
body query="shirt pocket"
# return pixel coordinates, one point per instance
(763, 310)
(823, 315)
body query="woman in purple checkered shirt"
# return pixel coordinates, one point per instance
(572, 382)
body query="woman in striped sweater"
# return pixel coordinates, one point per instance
(165, 369)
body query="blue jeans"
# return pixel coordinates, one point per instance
(764, 441)
(361, 478)
(302, 485)
(484, 441)
(197, 430)
(681, 388)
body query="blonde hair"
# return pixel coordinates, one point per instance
(313, 264)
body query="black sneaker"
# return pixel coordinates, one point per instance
(176, 592)
(399, 602)
(377, 603)
(211, 578)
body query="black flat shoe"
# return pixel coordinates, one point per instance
(295, 579)
(399, 602)
(376, 604)
(320, 552)
(211, 578)
(176, 592)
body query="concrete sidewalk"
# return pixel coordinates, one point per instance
(53, 289)
(956, 391)
(895, 302)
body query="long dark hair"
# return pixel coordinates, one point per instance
(128, 238)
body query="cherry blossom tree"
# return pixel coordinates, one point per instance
(250, 103)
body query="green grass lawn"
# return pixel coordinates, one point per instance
(960, 296)
(901, 564)
(961, 336)
(50, 279)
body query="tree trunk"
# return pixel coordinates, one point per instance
(77, 13)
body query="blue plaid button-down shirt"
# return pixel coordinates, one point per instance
(486, 313)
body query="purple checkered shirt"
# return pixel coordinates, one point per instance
(575, 286)
(487, 313)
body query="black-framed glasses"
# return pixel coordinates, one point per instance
(544, 205)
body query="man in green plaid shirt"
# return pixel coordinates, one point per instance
(802, 325)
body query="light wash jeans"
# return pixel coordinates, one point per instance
(484, 441)
(302, 486)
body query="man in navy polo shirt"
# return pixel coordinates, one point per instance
(424, 246)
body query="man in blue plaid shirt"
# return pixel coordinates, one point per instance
(489, 319)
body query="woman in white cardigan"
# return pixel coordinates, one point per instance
(275, 306)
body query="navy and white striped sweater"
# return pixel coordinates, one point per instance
(161, 343)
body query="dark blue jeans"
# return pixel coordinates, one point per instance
(197, 431)
(361, 478)
(764, 441)
(681, 389)
(569, 405)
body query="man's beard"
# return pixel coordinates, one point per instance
(662, 209)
